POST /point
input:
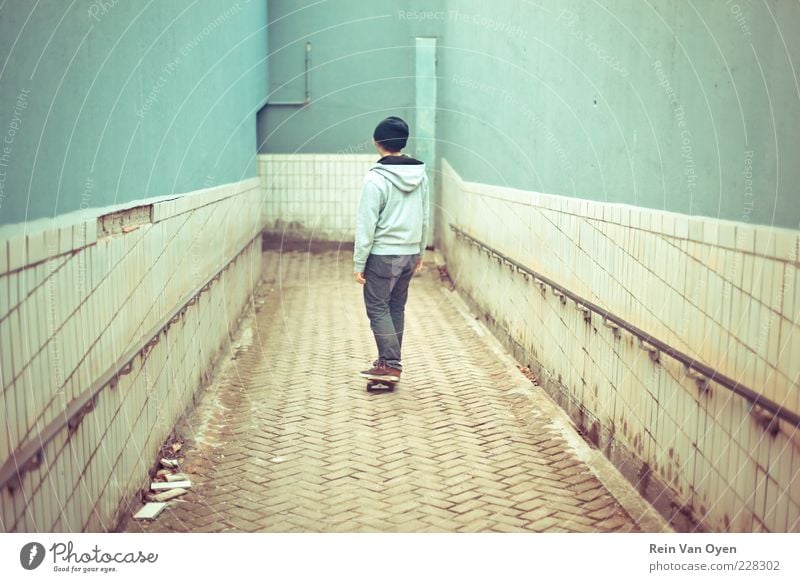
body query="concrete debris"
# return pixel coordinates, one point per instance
(167, 485)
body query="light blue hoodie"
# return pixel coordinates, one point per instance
(392, 217)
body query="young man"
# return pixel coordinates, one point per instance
(391, 224)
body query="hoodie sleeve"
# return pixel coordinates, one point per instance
(369, 206)
(426, 211)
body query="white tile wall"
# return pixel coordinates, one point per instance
(313, 195)
(68, 315)
(722, 292)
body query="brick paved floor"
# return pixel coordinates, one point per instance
(288, 440)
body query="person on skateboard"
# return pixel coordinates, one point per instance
(391, 225)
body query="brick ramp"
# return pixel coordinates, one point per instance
(288, 440)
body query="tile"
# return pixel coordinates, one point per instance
(711, 232)
(789, 281)
(51, 242)
(766, 289)
(756, 314)
(760, 497)
(16, 252)
(595, 209)
(764, 382)
(788, 362)
(765, 242)
(65, 241)
(745, 237)
(37, 249)
(14, 296)
(661, 266)
(6, 360)
(29, 328)
(712, 299)
(681, 226)
(668, 224)
(779, 285)
(4, 263)
(696, 226)
(781, 470)
(634, 217)
(723, 310)
(78, 236)
(656, 220)
(714, 257)
(726, 236)
(739, 314)
(150, 511)
(787, 245)
(15, 330)
(745, 366)
(5, 298)
(750, 274)
(158, 212)
(735, 273)
(583, 208)
(625, 216)
(795, 311)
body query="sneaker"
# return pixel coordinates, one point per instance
(380, 371)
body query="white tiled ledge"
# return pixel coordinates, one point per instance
(363, 157)
(187, 202)
(29, 243)
(764, 241)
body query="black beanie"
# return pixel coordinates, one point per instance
(391, 134)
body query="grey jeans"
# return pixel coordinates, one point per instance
(385, 294)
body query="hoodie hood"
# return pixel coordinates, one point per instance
(404, 172)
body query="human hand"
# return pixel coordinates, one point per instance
(360, 278)
(418, 268)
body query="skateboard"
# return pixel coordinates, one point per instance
(375, 385)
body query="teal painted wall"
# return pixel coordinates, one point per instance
(686, 106)
(362, 70)
(106, 102)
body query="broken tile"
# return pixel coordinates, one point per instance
(174, 485)
(169, 463)
(166, 495)
(171, 478)
(150, 511)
